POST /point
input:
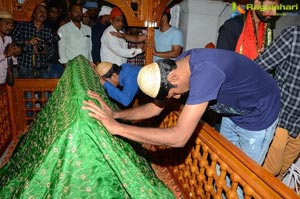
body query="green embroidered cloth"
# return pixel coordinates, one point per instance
(67, 154)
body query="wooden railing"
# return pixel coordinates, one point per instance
(6, 131)
(28, 97)
(209, 166)
(19, 105)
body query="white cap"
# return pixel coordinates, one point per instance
(84, 10)
(105, 10)
(149, 79)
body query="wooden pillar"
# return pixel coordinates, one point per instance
(150, 45)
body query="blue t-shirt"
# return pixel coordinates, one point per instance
(242, 89)
(165, 40)
(128, 82)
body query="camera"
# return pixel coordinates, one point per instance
(43, 44)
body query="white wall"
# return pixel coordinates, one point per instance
(200, 20)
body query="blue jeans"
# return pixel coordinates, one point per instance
(55, 70)
(254, 143)
(52, 71)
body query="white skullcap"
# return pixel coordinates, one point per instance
(84, 10)
(105, 10)
(149, 79)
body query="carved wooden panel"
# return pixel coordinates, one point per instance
(6, 134)
(29, 96)
(142, 13)
(20, 11)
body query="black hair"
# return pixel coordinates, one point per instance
(165, 67)
(73, 5)
(114, 69)
(168, 16)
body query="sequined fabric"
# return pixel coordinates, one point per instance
(67, 154)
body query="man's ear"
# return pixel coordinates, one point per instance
(173, 78)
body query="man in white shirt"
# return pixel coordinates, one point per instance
(114, 49)
(75, 37)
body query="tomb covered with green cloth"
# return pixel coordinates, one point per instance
(67, 154)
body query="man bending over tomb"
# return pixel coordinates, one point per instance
(120, 82)
(249, 101)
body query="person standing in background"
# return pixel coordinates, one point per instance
(85, 16)
(138, 60)
(114, 49)
(283, 57)
(168, 39)
(7, 49)
(92, 7)
(75, 37)
(38, 40)
(53, 22)
(97, 31)
(251, 36)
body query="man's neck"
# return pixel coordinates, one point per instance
(164, 27)
(77, 24)
(256, 20)
(2, 36)
(38, 24)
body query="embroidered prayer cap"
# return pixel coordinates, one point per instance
(4, 14)
(105, 10)
(103, 67)
(149, 79)
(115, 12)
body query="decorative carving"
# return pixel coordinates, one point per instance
(21, 11)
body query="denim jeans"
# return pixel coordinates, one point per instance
(254, 143)
(52, 71)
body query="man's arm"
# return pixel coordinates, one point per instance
(175, 137)
(123, 96)
(176, 50)
(130, 38)
(139, 113)
(61, 47)
(113, 43)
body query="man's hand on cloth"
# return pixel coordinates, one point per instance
(103, 114)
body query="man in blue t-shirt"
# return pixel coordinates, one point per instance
(245, 94)
(120, 82)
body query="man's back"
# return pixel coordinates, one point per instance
(230, 32)
(243, 90)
